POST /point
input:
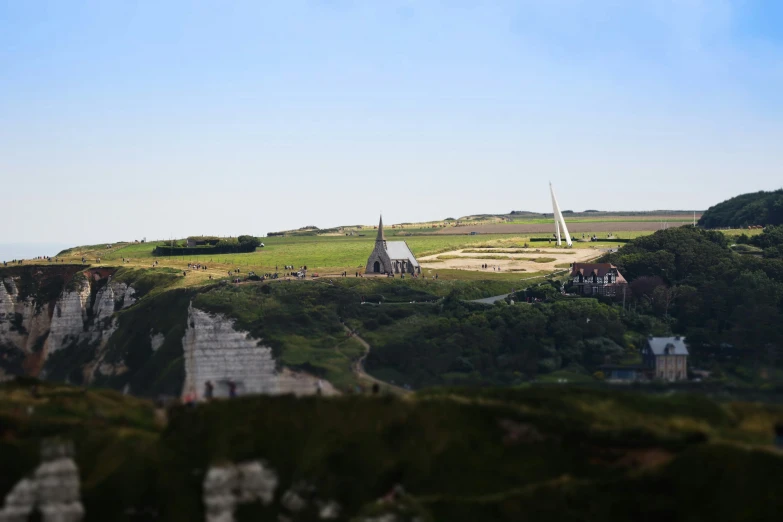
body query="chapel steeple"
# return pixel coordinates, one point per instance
(381, 236)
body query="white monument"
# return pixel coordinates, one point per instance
(559, 221)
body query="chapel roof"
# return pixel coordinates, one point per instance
(400, 250)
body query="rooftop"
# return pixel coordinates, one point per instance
(599, 269)
(676, 345)
(400, 250)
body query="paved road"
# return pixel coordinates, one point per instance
(490, 300)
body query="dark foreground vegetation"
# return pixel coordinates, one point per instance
(484, 455)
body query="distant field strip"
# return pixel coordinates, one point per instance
(615, 219)
(493, 250)
(574, 227)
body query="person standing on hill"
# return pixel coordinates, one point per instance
(209, 390)
(232, 389)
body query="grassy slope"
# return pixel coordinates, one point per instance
(301, 319)
(577, 454)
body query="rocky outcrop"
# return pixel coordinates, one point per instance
(32, 331)
(156, 341)
(53, 490)
(69, 316)
(215, 351)
(22, 322)
(227, 486)
(112, 297)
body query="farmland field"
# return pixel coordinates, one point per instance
(337, 252)
(678, 218)
(323, 254)
(574, 227)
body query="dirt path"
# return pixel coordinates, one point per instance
(358, 368)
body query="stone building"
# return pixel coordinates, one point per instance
(597, 279)
(667, 357)
(391, 257)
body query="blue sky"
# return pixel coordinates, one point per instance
(122, 120)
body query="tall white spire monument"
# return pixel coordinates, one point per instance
(559, 221)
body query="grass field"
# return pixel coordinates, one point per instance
(322, 254)
(332, 254)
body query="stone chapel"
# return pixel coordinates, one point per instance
(391, 257)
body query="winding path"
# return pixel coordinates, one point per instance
(358, 367)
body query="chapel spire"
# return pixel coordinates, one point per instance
(380, 236)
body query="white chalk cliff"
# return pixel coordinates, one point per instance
(34, 321)
(215, 351)
(69, 316)
(54, 489)
(47, 328)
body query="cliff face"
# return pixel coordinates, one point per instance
(45, 310)
(216, 351)
(66, 323)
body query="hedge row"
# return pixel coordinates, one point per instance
(203, 250)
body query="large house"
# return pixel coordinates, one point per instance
(667, 357)
(597, 279)
(391, 257)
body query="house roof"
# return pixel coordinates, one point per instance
(400, 250)
(599, 269)
(676, 345)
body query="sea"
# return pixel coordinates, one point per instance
(9, 251)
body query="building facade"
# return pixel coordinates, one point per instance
(667, 357)
(597, 279)
(391, 257)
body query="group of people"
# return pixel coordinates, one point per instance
(191, 397)
(495, 268)
(197, 266)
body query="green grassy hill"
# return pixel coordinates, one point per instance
(756, 208)
(496, 454)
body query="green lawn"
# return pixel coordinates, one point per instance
(333, 254)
